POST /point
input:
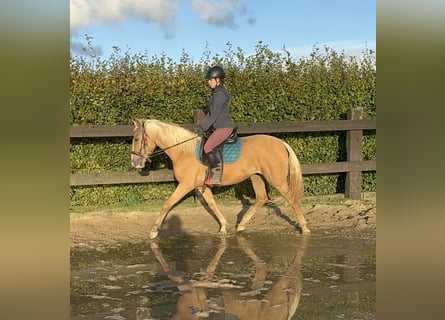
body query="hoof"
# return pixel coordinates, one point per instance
(306, 231)
(154, 233)
(240, 228)
(222, 232)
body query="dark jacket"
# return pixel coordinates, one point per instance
(218, 115)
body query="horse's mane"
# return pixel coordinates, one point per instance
(170, 134)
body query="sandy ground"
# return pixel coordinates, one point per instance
(98, 228)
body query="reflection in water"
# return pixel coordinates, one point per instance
(255, 276)
(278, 302)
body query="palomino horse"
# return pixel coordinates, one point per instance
(262, 157)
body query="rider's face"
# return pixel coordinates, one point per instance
(212, 83)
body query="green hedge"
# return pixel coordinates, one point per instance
(265, 86)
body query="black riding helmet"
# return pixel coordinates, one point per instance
(215, 72)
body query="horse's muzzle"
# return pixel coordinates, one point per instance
(138, 161)
(137, 165)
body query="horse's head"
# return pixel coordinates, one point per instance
(142, 146)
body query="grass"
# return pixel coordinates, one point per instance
(189, 202)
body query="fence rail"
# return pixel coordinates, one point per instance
(353, 167)
(97, 131)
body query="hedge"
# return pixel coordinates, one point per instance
(265, 86)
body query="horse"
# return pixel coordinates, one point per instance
(262, 158)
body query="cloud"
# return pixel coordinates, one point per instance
(220, 13)
(97, 12)
(162, 13)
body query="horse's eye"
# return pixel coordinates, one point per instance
(136, 140)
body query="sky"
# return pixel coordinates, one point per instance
(172, 27)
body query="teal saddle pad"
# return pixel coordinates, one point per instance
(231, 151)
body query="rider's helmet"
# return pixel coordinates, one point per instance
(215, 72)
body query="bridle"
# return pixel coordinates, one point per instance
(143, 148)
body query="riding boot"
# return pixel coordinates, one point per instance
(215, 169)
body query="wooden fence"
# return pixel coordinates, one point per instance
(354, 166)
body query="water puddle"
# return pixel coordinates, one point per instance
(253, 276)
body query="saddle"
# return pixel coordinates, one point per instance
(226, 152)
(232, 139)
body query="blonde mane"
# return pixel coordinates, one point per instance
(171, 134)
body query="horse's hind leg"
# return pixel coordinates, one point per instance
(208, 197)
(259, 187)
(296, 206)
(180, 191)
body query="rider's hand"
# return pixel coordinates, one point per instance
(199, 131)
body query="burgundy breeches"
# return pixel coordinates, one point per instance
(216, 138)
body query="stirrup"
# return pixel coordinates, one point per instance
(213, 178)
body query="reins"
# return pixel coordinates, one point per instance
(161, 151)
(157, 152)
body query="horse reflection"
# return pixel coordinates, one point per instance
(279, 302)
(192, 303)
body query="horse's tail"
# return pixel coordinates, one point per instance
(295, 177)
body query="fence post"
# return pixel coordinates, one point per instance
(353, 184)
(198, 115)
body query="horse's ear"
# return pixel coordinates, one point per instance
(137, 123)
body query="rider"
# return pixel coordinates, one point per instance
(217, 119)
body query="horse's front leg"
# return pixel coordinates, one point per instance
(208, 197)
(180, 191)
